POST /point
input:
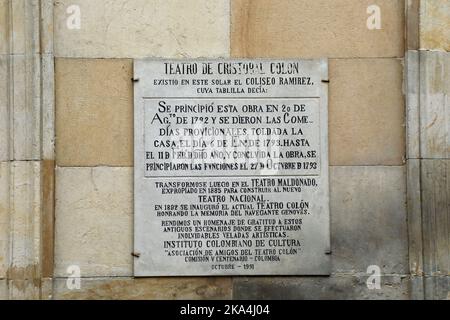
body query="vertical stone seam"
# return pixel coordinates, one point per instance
(46, 41)
(412, 17)
(47, 80)
(10, 77)
(25, 223)
(412, 24)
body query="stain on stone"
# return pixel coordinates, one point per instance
(18, 275)
(147, 288)
(435, 25)
(48, 208)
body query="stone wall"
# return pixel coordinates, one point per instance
(427, 83)
(26, 147)
(366, 137)
(66, 171)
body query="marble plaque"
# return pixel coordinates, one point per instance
(231, 167)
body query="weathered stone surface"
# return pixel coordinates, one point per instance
(435, 24)
(144, 28)
(94, 221)
(26, 82)
(48, 217)
(24, 289)
(3, 290)
(4, 112)
(47, 31)
(4, 10)
(366, 112)
(4, 218)
(412, 24)
(435, 104)
(435, 180)
(147, 289)
(414, 204)
(412, 85)
(416, 288)
(25, 228)
(437, 288)
(25, 215)
(94, 112)
(320, 28)
(94, 127)
(48, 106)
(336, 287)
(24, 18)
(46, 288)
(368, 219)
(25, 107)
(149, 221)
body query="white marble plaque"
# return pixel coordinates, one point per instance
(231, 167)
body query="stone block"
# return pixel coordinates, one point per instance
(143, 28)
(368, 219)
(435, 178)
(94, 112)
(312, 29)
(412, 85)
(435, 104)
(366, 112)
(94, 217)
(4, 12)
(416, 288)
(47, 30)
(435, 25)
(3, 290)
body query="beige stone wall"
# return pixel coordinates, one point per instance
(366, 136)
(94, 131)
(94, 137)
(77, 203)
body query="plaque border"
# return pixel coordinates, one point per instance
(139, 104)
